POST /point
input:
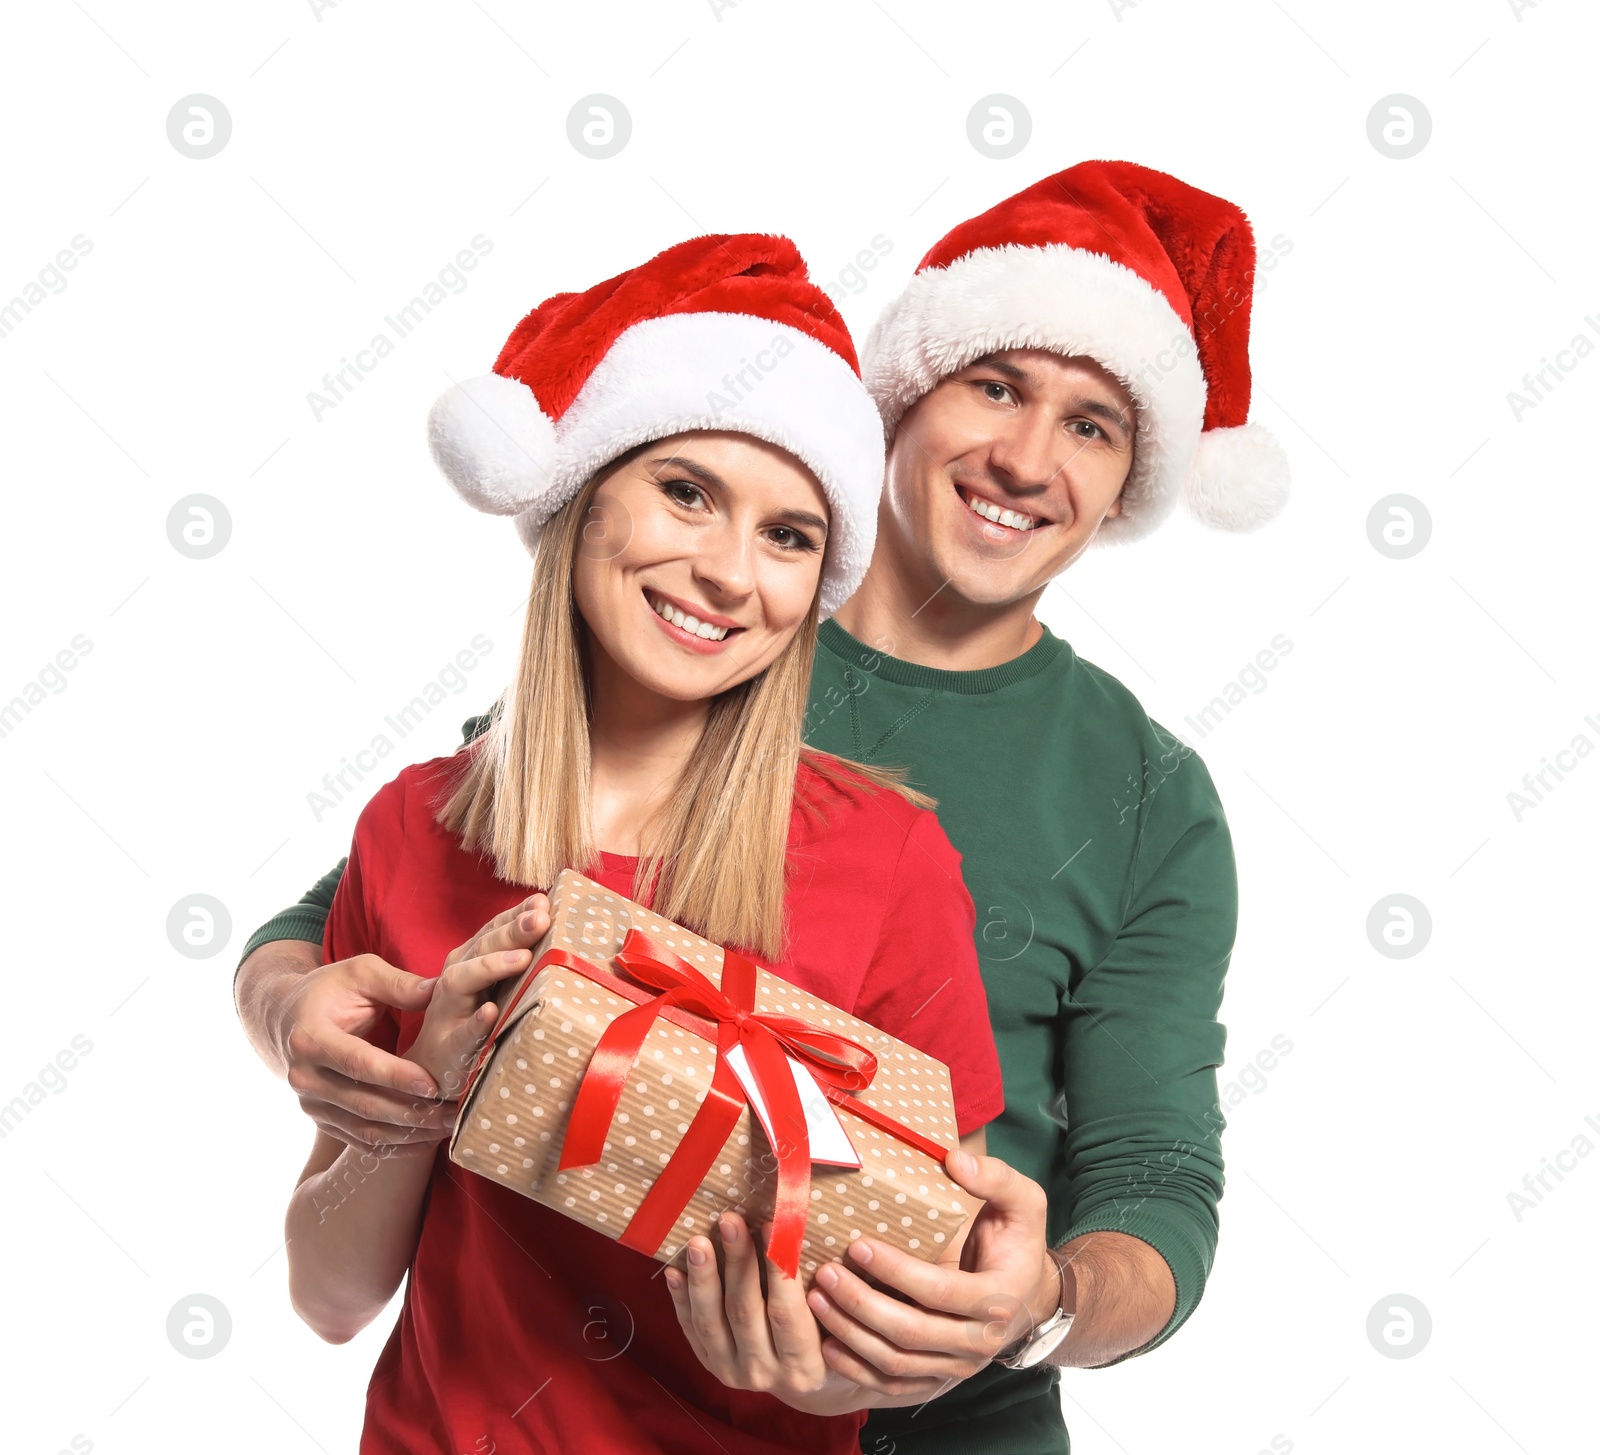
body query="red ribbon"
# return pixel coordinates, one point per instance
(727, 1016)
(834, 1059)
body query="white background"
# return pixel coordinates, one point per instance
(369, 144)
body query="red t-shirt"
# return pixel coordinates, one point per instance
(525, 1331)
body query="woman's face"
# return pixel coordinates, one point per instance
(698, 560)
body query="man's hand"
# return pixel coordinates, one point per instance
(1004, 1286)
(364, 1096)
(308, 1022)
(770, 1342)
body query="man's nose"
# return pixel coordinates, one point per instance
(1028, 451)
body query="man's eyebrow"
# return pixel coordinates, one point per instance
(1081, 405)
(1000, 366)
(1096, 407)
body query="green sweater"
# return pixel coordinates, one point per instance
(1100, 862)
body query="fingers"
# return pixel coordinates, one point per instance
(934, 1286)
(358, 1060)
(388, 984)
(463, 983)
(520, 927)
(677, 1287)
(849, 1365)
(521, 930)
(364, 1133)
(387, 1113)
(470, 949)
(703, 1306)
(892, 1319)
(897, 1339)
(856, 1352)
(793, 1335)
(1008, 1193)
(451, 1057)
(746, 1306)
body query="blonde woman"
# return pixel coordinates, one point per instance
(691, 457)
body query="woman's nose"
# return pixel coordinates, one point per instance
(725, 563)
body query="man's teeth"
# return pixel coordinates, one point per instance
(669, 612)
(989, 511)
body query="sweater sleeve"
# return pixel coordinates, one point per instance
(1143, 1044)
(304, 920)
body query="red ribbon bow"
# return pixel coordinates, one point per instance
(840, 1064)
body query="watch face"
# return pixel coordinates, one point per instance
(1044, 1342)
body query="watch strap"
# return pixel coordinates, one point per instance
(1050, 1330)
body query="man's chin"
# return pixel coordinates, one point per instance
(989, 589)
(993, 581)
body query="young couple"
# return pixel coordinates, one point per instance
(752, 647)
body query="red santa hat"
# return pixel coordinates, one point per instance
(718, 333)
(1148, 276)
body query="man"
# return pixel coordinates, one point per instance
(1061, 368)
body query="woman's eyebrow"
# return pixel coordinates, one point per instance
(711, 478)
(689, 467)
(802, 517)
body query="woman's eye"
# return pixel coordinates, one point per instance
(789, 539)
(683, 493)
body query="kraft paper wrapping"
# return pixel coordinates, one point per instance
(514, 1115)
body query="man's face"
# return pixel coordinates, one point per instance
(999, 477)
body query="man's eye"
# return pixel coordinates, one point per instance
(997, 392)
(1086, 430)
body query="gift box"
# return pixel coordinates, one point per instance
(643, 1081)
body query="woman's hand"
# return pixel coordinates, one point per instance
(772, 1343)
(519, 928)
(459, 1018)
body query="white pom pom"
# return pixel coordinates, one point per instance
(1239, 479)
(493, 443)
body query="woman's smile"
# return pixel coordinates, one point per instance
(694, 628)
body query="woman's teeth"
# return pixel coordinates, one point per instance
(989, 511)
(669, 612)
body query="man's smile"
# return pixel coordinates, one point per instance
(996, 514)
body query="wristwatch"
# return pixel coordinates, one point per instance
(1047, 1337)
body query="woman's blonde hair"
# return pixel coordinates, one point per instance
(713, 857)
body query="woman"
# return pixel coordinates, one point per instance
(693, 461)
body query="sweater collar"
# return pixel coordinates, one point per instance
(836, 640)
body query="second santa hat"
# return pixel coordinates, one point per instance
(723, 332)
(1141, 272)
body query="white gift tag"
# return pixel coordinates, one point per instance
(829, 1142)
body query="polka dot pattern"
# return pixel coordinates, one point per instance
(540, 1058)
